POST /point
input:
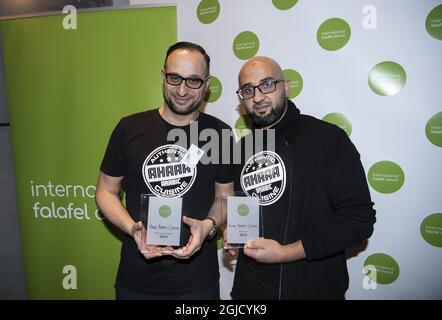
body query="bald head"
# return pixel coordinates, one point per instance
(263, 91)
(259, 65)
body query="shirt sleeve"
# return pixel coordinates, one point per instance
(349, 216)
(114, 160)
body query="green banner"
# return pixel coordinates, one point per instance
(66, 91)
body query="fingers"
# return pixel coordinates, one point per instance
(256, 244)
(152, 251)
(149, 251)
(252, 253)
(187, 251)
(255, 248)
(181, 253)
(225, 238)
(195, 241)
(167, 250)
(152, 255)
(194, 244)
(192, 247)
(230, 252)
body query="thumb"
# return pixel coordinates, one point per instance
(232, 252)
(189, 221)
(255, 244)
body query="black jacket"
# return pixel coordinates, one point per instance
(328, 207)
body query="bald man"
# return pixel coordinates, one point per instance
(313, 194)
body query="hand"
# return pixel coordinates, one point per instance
(265, 250)
(231, 252)
(148, 251)
(199, 229)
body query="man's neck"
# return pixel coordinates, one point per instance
(177, 119)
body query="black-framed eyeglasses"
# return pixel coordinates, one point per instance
(175, 80)
(267, 86)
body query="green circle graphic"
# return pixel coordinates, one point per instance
(284, 4)
(434, 22)
(208, 11)
(339, 120)
(164, 211)
(386, 177)
(215, 90)
(243, 125)
(381, 268)
(433, 129)
(431, 229)
(333, 34)
(296, 82)
(243, 210)
(245, 45)
(387, 78)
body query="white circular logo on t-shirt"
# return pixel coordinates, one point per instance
(264, 176)
(165, 175)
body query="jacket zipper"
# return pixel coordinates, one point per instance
(288, 214)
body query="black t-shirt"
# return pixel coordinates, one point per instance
(140, 151)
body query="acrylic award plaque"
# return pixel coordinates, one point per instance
(162, 220)
(243, 219)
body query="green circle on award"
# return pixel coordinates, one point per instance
(243, 210)
(164, 211)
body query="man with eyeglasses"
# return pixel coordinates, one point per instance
(313, 194)
(141, 159)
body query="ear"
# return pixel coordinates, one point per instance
(287, 87)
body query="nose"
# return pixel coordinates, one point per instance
(259, 96)
(182, 89)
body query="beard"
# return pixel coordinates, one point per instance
(275, 114)
(180, 110)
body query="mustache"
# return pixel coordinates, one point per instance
(261, 104)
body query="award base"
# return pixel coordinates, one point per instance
(234, 246)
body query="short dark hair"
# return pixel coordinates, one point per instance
(191, 47)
